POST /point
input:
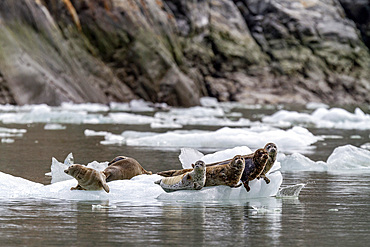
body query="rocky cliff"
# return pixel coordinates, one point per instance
(176, 51)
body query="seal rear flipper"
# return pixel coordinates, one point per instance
(105, 186)
(158, 182)
(146, 172)
(78, 187)
(167, 173)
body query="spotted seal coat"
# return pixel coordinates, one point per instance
(122, 167)
(254, 167)
(192, 180)
(88, 178)
(272, 153)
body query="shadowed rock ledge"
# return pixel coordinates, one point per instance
(253, 51)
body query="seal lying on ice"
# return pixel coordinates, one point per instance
(88, 178)
(192, 180)
(122, 167)
(269, 147)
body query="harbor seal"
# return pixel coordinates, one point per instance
(272, 153)
(122, 167)
(88, 178)
(269, 147)
(226, 174)
(193, 180)
(254, 167)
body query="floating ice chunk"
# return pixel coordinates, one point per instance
(290, 191)
(116, 106)
(100, 207)
(293, 139)
(226, 154)
(189, 156)
(299, 162)
(129, 118)
(209, 102)
(349, 157)
(366, 146)
(16, 187)
(88, 132)
(54, 127)
(322, 118)
(57, 171)
(139, 105)
(315, 105)
(346, 157)
(165, 125)
(89, 107)
(7, 140)
(259, 188)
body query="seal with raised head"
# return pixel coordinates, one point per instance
(254, 167)
(88, 178)
(122, 167)
(226, 174)
(272, 153)
(193, 180)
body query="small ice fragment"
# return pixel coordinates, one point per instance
(366, 146)
(98, 206)
(290, 191)
(7, 140)
(333, 210)
(54, 127)
(355, 137)
(189, 156)
(69, 160)
(209, 102)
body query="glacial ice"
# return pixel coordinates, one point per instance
(297, 138)
(140, 189)
(343, 158)
(322, 118)
(7, 134)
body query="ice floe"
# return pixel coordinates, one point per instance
(322, 118)
(7, 135)
(343, 158)
(139, 189)
(296, 138)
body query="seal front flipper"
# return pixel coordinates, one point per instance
(267, 180)
(246, 186)
(78, 187)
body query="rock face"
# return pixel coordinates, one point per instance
(253, 51)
